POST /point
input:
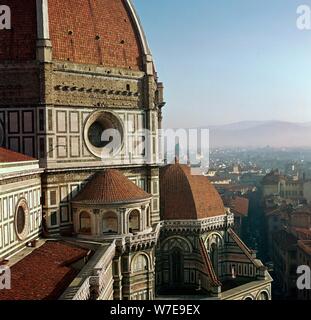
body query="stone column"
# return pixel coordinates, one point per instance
(96, 222)
(122, 221)
(75, 219)
(143, 218)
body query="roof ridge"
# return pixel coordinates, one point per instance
(242, 246)
(185, 173)
(209, 266)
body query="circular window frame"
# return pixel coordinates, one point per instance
(22, 203)
(97, 151)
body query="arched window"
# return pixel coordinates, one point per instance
(214, 257)
(214, 244)
(176, 268)
(85, 223)
(214, 238)
(263, 296)
(134, 223)
(110, 223)
(140, 263)
(177, 242)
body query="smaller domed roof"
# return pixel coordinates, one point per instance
(111, 187)
(187, 197)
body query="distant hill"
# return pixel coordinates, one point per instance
(261, 134)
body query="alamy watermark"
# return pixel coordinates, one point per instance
(5, 278)
(187, 146)
(5, 18)
(304, 17)
(304, 279)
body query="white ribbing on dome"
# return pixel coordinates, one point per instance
(42, 20)
(142, 38)
(44, 46)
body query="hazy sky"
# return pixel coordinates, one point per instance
(229, 60)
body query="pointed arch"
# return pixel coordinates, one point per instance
(140, 262)
(177, 242)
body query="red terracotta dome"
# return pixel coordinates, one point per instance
(111, 187)
(187, 197)
(99, 32)
(94, 32)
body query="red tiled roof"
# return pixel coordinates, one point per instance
(208, 266)
(305, 245)
(45, 273)
(11, 156)
(238, 205)
(110, 187)
(245, 249)
(102, 32)
(187, 197)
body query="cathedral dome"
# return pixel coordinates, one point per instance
(187, 197)
(98, 32)
(111, 187)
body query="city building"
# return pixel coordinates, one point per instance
(289, 234)
(239, 206)
(284, 251)
(77, 90)
(304, 259)
(274, 183)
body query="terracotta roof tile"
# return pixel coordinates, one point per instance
(238, 205)
(45, 273)
(208, 266)
(187, 197)
(109, 187)
(305, 245)
(245, 249)
(11, 156)
(94, 32)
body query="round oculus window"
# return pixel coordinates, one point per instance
(103, 133)
(21, 219)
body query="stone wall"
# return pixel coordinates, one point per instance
(12, 191)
